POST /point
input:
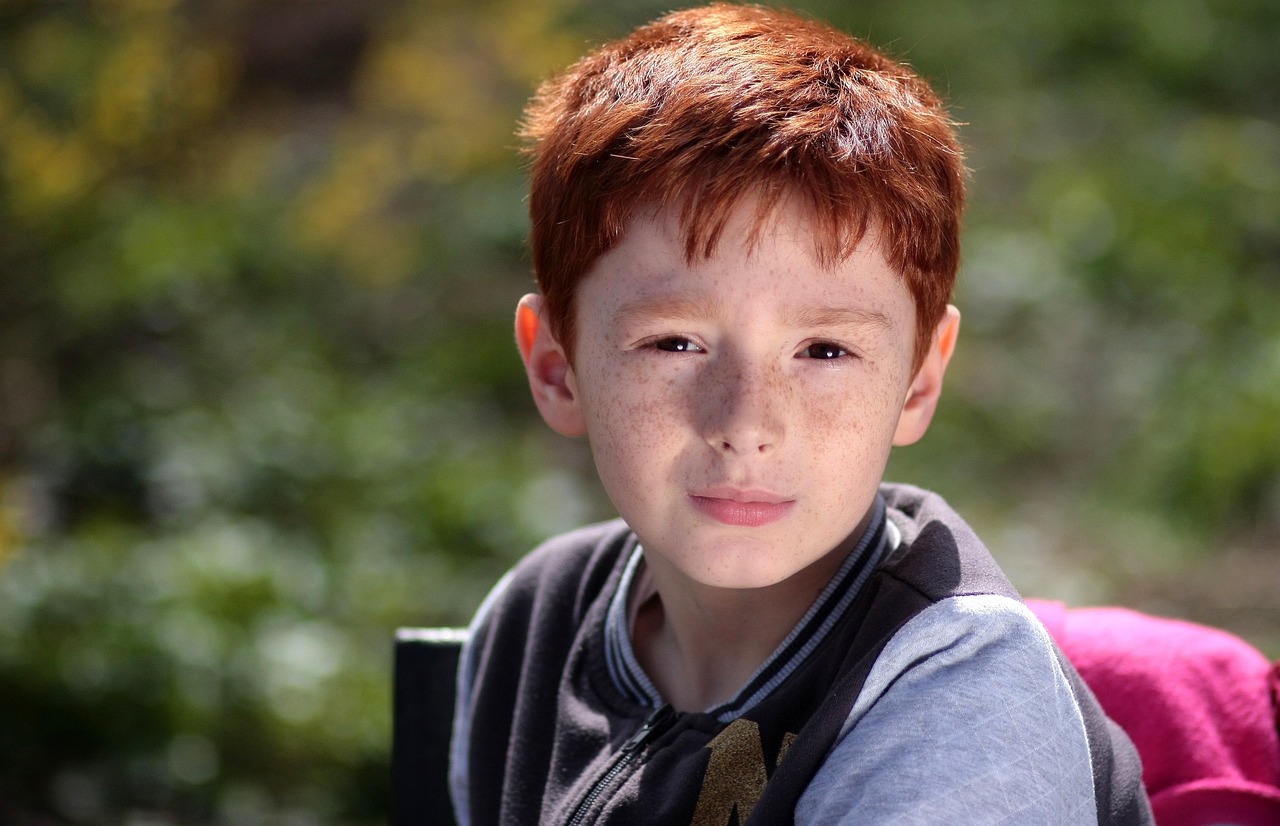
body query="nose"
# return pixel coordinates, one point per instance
(742, 407)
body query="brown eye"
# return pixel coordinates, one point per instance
(824, 350)
(676, 345)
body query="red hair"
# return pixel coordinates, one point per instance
(704, 107)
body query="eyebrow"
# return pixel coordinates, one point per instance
(666, 309)
(839, 317)
(681, 309)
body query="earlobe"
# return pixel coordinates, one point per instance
(551, 378)
(926, 387)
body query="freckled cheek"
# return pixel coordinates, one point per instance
(634, 420)
(850, 421)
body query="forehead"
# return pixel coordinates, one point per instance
(760, 261)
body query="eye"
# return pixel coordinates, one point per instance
(675, 344)
(824, 351)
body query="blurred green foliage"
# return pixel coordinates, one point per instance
(258, 403)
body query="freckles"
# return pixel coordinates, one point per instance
(849, 423)
(635, 416)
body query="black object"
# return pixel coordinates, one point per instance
(426, 668)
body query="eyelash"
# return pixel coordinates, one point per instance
(682, 345)
(840, 351)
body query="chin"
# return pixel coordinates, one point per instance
(748, 583)
(744, 574)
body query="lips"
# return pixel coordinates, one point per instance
(742, 507)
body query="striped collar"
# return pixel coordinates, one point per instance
(827, 610)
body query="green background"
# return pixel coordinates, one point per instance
(259, 404)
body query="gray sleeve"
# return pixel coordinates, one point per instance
(966, 717)
(459, 744)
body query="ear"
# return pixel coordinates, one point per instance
(551, 378)
(926, 387)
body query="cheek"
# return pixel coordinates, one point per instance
(852, 425)
(633, 419)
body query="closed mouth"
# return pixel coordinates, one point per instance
(744, 508)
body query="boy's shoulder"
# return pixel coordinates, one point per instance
(568, 571)
(583, 547)
(939, 553)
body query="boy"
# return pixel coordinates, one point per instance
(745, 231)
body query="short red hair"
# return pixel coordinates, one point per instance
(704, 107)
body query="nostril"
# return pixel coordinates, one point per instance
(728, 447)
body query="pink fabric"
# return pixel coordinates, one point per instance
(1200, 704)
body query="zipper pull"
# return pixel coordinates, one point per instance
(651, 728)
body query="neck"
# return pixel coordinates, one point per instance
(700, 644)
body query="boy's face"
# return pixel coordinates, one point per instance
(740, 409)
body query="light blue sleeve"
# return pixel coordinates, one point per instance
(459, 744)
(966, 717)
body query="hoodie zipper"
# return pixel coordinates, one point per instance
(630, 751)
